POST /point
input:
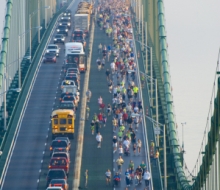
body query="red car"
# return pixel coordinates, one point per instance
(50, 57)
(59, 163)
(59, 183)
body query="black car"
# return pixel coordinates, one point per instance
(62, 30)
(79, 39)
(59, 183)
(78, 33)
(65, 22)
(59, 38)
(55, 174)
(50, 57)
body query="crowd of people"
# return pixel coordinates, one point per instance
(125, 111)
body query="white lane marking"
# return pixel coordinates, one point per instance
(43, 152)
(45, 144)
(39, 171)
(38, 181)
(42, 161)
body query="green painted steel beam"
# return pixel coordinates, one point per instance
(5, 38)
(172, 133)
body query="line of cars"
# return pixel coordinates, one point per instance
(62, 119)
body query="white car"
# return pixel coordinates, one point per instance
(53, 48)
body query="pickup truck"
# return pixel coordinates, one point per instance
(53, 48)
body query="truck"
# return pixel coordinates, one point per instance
(74, 54)
(82, 22)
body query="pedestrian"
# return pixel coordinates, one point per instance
(108, 176)
(147, 177)
(107, 72)
(143, 166)
(134, 148)
(120, 162)
(88, 95)
(127, 178)
(114, 124)
(115, 144)
(109, 109)
(110, 83)
(86, 175)
(99, 139)
(100, 101)
(139, 144)
(92, 127)
(156, 157)
(100, 118)
(120, 150)
(131, 165)
(104, 120)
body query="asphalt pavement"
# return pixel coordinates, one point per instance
(30, 158)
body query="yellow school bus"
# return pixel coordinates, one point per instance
(62, 123)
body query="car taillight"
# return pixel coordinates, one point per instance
(49, 166)
(51, 148)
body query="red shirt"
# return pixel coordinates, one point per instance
(102, 105)
(125, 116)
(100, 117)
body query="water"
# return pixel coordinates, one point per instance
(193, 32)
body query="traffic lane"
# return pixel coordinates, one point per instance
(29, 146)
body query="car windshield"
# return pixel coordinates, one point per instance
(66, 105)
(56, 173)
(68, 98)
(62, 27)
(52, 47)
(65, 20)
(49, 54)
(77, 38)
(78, 33)
(58, 162)
(59, 144)
(53, 181)
(58, 36)
(55, 155)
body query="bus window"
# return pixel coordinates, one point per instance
(55, 121)
(69, 121)
(62, 121)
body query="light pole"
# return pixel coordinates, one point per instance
(157, 130)
(19, 44)
(184, 123)
(38, 21)
(4, 93)
(156, 97)
(46, 16)
(151, 68)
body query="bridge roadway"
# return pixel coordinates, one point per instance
(96, 160)
(30, 158)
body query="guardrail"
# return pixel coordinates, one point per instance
(11, 135)
(143, 121)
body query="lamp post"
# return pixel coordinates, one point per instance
(4, 93)
(156, 97)
(151, 68)
(184, 123)
(164, 146)
(46, 16)
(38, 21)
(19, 44)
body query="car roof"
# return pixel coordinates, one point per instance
(59, 35)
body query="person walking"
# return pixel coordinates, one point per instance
(92, 127)
(100, 101)
(99, 139)
(134, 148)
(100, 118)
(86, 175)
(127, 178)
(88, 95)
(120, 162)
(147, 177)
(108, 176)
(143, 166)
(120, 150)
(139, 144)
(115, 143)
(87, 112)
(156, 157)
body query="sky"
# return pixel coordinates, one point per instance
(193, 36)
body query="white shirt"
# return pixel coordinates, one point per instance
(112, 65)
(126, 143)
(99, 138)
(120, 150)
(147, 175)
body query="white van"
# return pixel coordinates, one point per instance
(74, 54)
